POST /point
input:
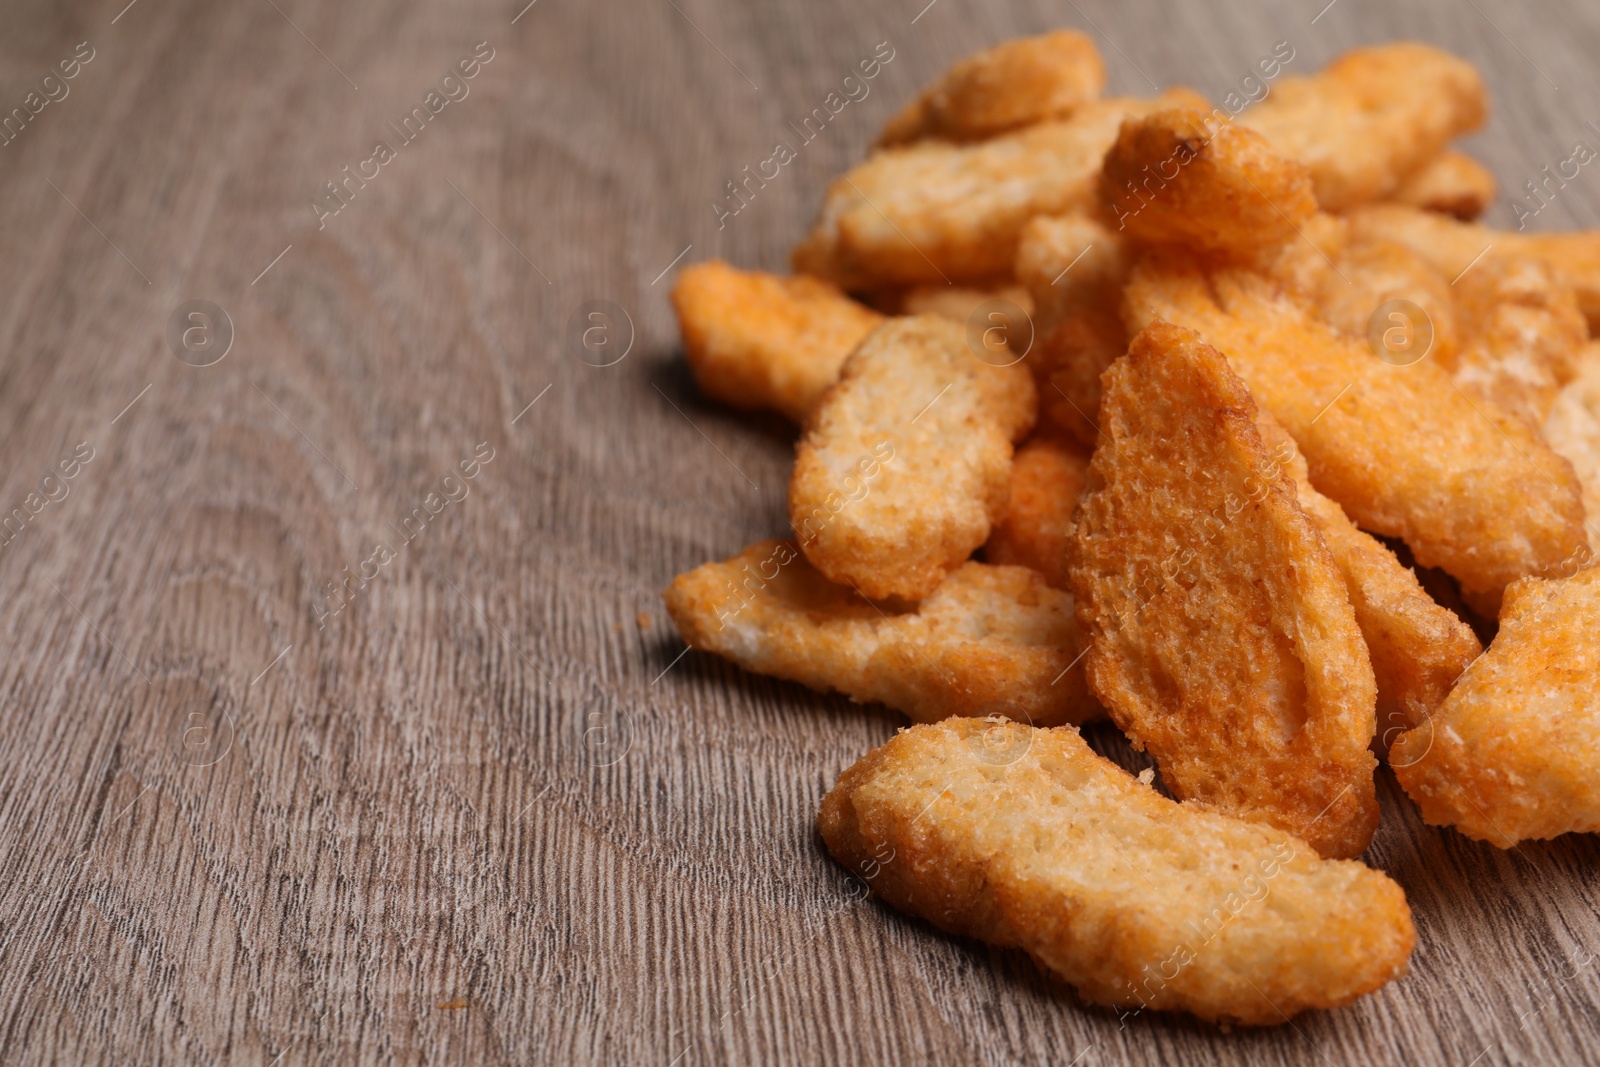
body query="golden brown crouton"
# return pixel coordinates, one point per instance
(1457, 248)
(1371, 118)
(934, 212)
(1452, 183)
(1418, 648)
(1572, 429)
(1046, 478)
(1182, 178)
(915, 399)
(760, 341)
(989, 640)
(1521, 334)
(1399, 447)
(1015, 84)
(1025, 838)
(1223, 640)
(1004, 328)
(1512, 754)
(1075, 269)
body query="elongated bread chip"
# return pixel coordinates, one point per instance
(1018, 83)
(1075, 269)
(1521, 335)
(1512, 754)
(1223, 638)
(942, 422)
(1458, 247)
(1371, 118)
(1403, 451)
(990, 640)
(1008, 318)
(1572, 429)
(1046, 478)
(1025, 838)
(1180, 178)
(1418, 648)
(760, 341)
(934, 212)
(1367, 273)
(1452, 182)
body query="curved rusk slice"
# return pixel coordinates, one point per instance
(1075, 269)
(1046, 478)
(1368, 120)
(1224, 641)
(1452, 183)
(1025, 838)
(1512, 753)
(1406, 454)
(1418, 647)
(1014, 84)
(989, 640)
(933, 213)
(936, 423)
(761, 341)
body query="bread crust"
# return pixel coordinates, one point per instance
(1025, 838)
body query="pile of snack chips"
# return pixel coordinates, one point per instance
(1106, 405)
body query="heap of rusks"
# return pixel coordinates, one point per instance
(1156, 492)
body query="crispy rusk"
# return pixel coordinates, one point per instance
(1046, 477)
(1371, 118)
(1572, 429)
(990, 640)
(935, 212)
(1075, 269)
(935, 425)
(1418, 647)
(1406, 454)
(1223, 640)
(1026, 838)
(1183, 178)
(1457, 247)
(1018, 83)
(760, 341)
(1507, 332)
(1007, 319)
(1512, 754)
(1365, 274)
(1521, 336)
(1452, 182)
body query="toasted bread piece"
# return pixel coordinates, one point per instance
(1457, 248)
(1366, 273)
(1046, 477)
(1572, 429)
(1405, 453)
(760, 341)
(1451, 182)
(1521, 335)
(1371, 118)
(1512, 754)
(1223, 640)
(1014, 84)
(1181, 178)
(989, 641)
(934, 212)
(1006, 322)
(1025, 838)
(1418, 647)
(941, 421)
(1075, 269)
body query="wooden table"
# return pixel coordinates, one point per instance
(480, 808)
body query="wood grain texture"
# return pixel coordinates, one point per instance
(486, 813)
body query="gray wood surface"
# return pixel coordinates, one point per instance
(486, 813)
